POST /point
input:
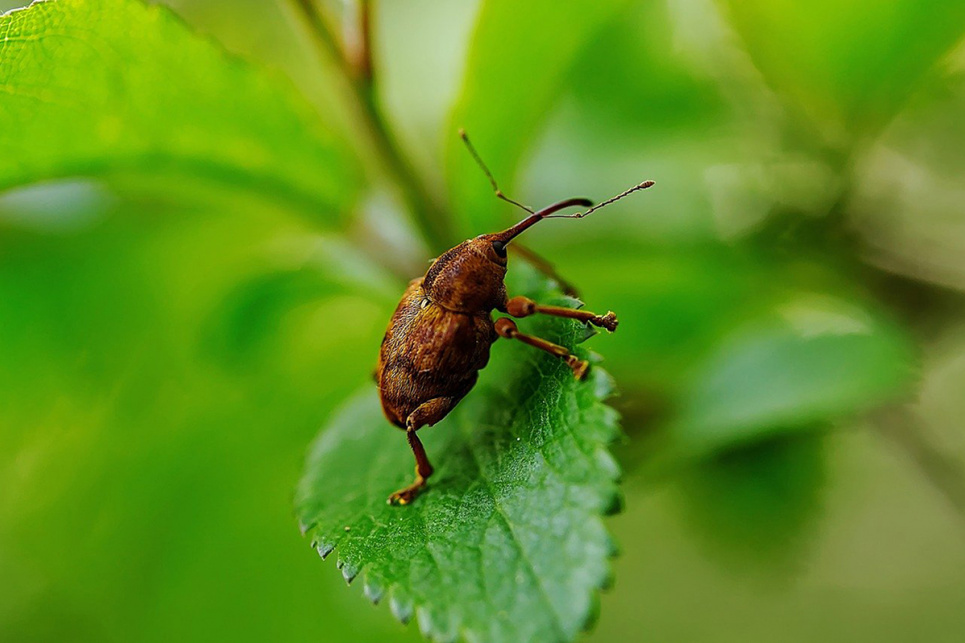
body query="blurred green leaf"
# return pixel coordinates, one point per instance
(812, 359)
(517, 68)
(657, 88)
(757, 503)
(665, 92)
(303, 276)
(673, 304)
(507, 543)
(253, 311)
(118, 86)
(113, 421)
(852, 62)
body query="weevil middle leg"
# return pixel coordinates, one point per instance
(524, 307)
(506, 327)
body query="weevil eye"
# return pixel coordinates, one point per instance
(499, 248)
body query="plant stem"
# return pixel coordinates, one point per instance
(364, 69)
(432, 219)
(943, 471)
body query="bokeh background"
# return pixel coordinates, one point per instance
(791, 353)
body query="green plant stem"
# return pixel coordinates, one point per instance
(432, 219)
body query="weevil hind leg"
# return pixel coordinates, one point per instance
(422, 472)
(426, 414)
(524, 307)
(506, 327)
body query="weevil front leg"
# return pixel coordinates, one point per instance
(524, 307)
(426, 414)
(506, 327)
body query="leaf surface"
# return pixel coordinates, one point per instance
(90, 88)
(507, 543)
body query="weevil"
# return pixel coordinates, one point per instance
(439, 337)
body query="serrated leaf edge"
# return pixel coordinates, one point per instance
(403, 607)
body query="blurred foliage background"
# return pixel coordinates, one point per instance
(791, 352)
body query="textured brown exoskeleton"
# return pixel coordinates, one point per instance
(439, 336)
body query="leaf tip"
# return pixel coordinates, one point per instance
(373, 591)
(604, 385)
(435, 626)
(613, 504)
(349, 571)
(324, 549)
(401, 607)
(592, 613)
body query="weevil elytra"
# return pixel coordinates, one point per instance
(439, 336)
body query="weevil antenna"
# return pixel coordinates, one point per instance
(506, 236)
(549, 212)
(612, 199)
(489, 175)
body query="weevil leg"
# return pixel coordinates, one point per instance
(524, 307)
(426, 414)
(544, 266)
(422, 471)
(506, 327)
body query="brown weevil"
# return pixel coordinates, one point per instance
(440, 334)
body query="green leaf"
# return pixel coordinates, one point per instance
(245, 326)
(99, 334)
(118, 86)
(811, 360)
(673, 303)
(507, 543)
(518, 63)
(855, 62)
(757, 504)
(244, 323)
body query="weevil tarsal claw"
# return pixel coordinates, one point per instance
(579, 366)
(408, 494)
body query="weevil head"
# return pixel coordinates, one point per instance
(469, 278)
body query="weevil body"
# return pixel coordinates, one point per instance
(440, 335)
